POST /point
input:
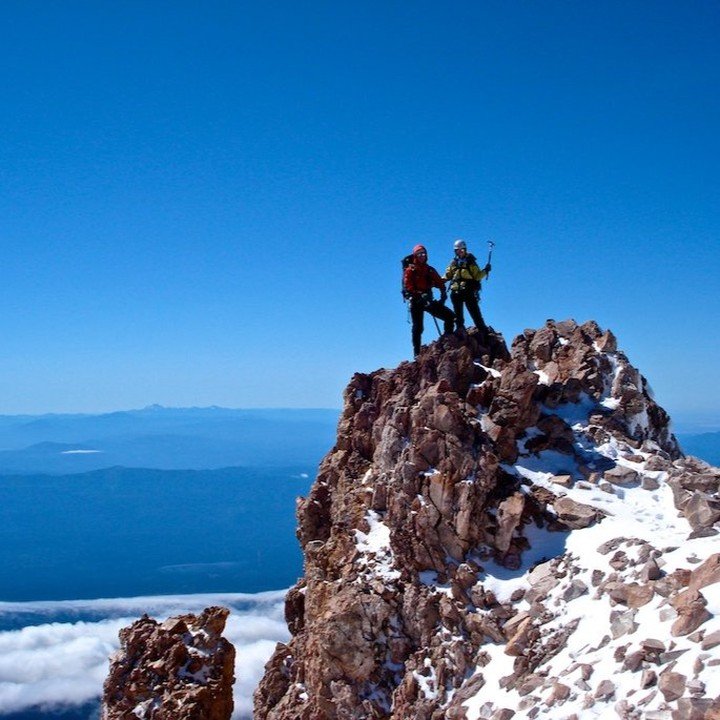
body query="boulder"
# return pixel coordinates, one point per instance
(706, 574)
(690, 607)
(575, 515)
(702, 510)
(672, 685)
(621, 475)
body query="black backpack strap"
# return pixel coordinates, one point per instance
(406, 262)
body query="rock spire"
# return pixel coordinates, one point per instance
(181, 669)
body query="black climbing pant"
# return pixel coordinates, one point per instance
(468, 298)
(418, 307)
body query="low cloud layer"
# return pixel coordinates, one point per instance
(53, 662)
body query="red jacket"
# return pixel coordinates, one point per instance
(421, 277)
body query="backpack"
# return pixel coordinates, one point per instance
(405, 262)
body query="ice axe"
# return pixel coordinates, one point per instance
(491, 245)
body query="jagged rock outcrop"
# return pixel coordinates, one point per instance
(494, 535)
(181, 669)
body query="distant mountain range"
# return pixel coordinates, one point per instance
(192, 439)
(165, 438)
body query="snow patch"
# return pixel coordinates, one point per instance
(490, 370)
(427, 683)
(376, 555)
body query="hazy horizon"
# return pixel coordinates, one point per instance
(684, 421)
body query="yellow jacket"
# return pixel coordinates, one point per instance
(464, 273)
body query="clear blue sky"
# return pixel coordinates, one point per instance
(206, 202)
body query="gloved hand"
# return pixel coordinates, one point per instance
(488, 268)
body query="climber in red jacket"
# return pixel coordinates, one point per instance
(419, 279)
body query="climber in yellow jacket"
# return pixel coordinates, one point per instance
(465, 277)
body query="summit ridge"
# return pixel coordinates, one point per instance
(504, 533)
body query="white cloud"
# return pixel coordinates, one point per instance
(55, 663)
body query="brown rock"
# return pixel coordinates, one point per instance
(690, 607)
(702, 510)
(605, 690)
(522, 638)
(621, 475)
(509, 515)
(671, 656)
(639, 595)
(648, 679)
(631, 594)
(456, 711)
(653, 645)
(610, 545)
(704, 532)
(531, 683)
(710, 641)
(606, 342)
(647, 698)
(575, 515)
(694, 709)
(633, 661)
(706, 574)
(670, 584)
(656, 463)
(544, 576)
(560, 693)
(651, 571)
(576, 589)
(182, 669)
(466, 576)
(620, 653)
(672, 685)
(696, 687)
(511, 626)
(649, 483)
(503, 714)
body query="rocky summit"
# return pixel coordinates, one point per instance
(181, 669)
(504, 534)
